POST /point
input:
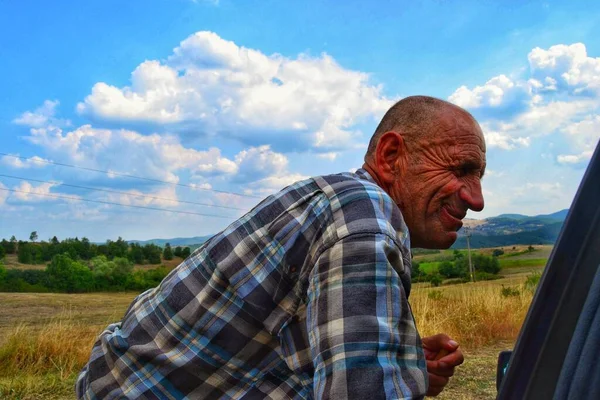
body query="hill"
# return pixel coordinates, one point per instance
(502, 230)
(174, 242)
(512, 229)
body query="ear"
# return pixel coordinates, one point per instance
(390, 156)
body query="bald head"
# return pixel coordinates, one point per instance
(429, 156)
(415, 117)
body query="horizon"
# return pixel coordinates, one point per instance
(97, 241)
(204, 107)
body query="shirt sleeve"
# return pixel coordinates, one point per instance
(361, 330)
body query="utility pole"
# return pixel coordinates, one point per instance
(468, 234)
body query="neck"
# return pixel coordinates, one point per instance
(374, 175)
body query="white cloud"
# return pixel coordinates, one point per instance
(213, 85)
(567, 67)
(32, 162)
(124, 151)
(584, 135)
(31, 193)
(161, 157)
(41, 116)
(165, 196)
(503, 140)
(559, 93)
(331, 156)
(574, 158)
(273, 183)
(494, 93)
(258, 162)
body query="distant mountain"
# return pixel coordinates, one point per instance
(174, 242)
(502, 230)
(507, 229)
(559, 215)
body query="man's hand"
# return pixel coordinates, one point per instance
(442, 355)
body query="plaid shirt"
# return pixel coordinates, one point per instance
(303, 297)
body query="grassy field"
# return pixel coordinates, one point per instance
(46, 338)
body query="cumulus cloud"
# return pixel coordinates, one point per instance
(558, 94)
(215, 86)
(567, 67)
(41, 116)
(161, 197)
(498, 92)
(161, 157)
(585, 136)
(30, 193)
(124, 151)
(273, 183)
(31, 162)
(258, 162)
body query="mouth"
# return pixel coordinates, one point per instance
(452, 219)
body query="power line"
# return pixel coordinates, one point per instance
(129, 176)
(118, 192)
(116, 204)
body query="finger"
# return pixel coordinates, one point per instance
(437, 381)
(452, 359)
(435, 369)
(435, 342)
(438, 342)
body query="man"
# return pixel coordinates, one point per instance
(306, 296)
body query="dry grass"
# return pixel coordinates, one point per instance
(45, 339)
(474, 314)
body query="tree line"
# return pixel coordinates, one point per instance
(484, 268)
(33, 252)
(77, 265)
(65, 275)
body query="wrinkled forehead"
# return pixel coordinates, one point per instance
(458, 128)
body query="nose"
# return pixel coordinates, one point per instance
(472, 195)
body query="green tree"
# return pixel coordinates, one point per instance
(25, 255)
(416, 272)
(2, 252)
(33, 236)
(185, 253)
(168, 252)
(451, 269)
(435, 279)
(69, 276)
(136, 254)
(177, 251)
(10, 247)
(2, 273)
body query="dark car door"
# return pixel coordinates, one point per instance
(557, 351)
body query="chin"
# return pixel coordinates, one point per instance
(440, 242)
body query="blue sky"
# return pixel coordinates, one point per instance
(249, 96)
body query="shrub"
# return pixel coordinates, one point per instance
(67, 275)
(509, 291)
(532, 281)
(435, 279)
(435, 295)
(486, 276)
(497, 252)
(453, 269)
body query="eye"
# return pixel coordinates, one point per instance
(462, 171)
